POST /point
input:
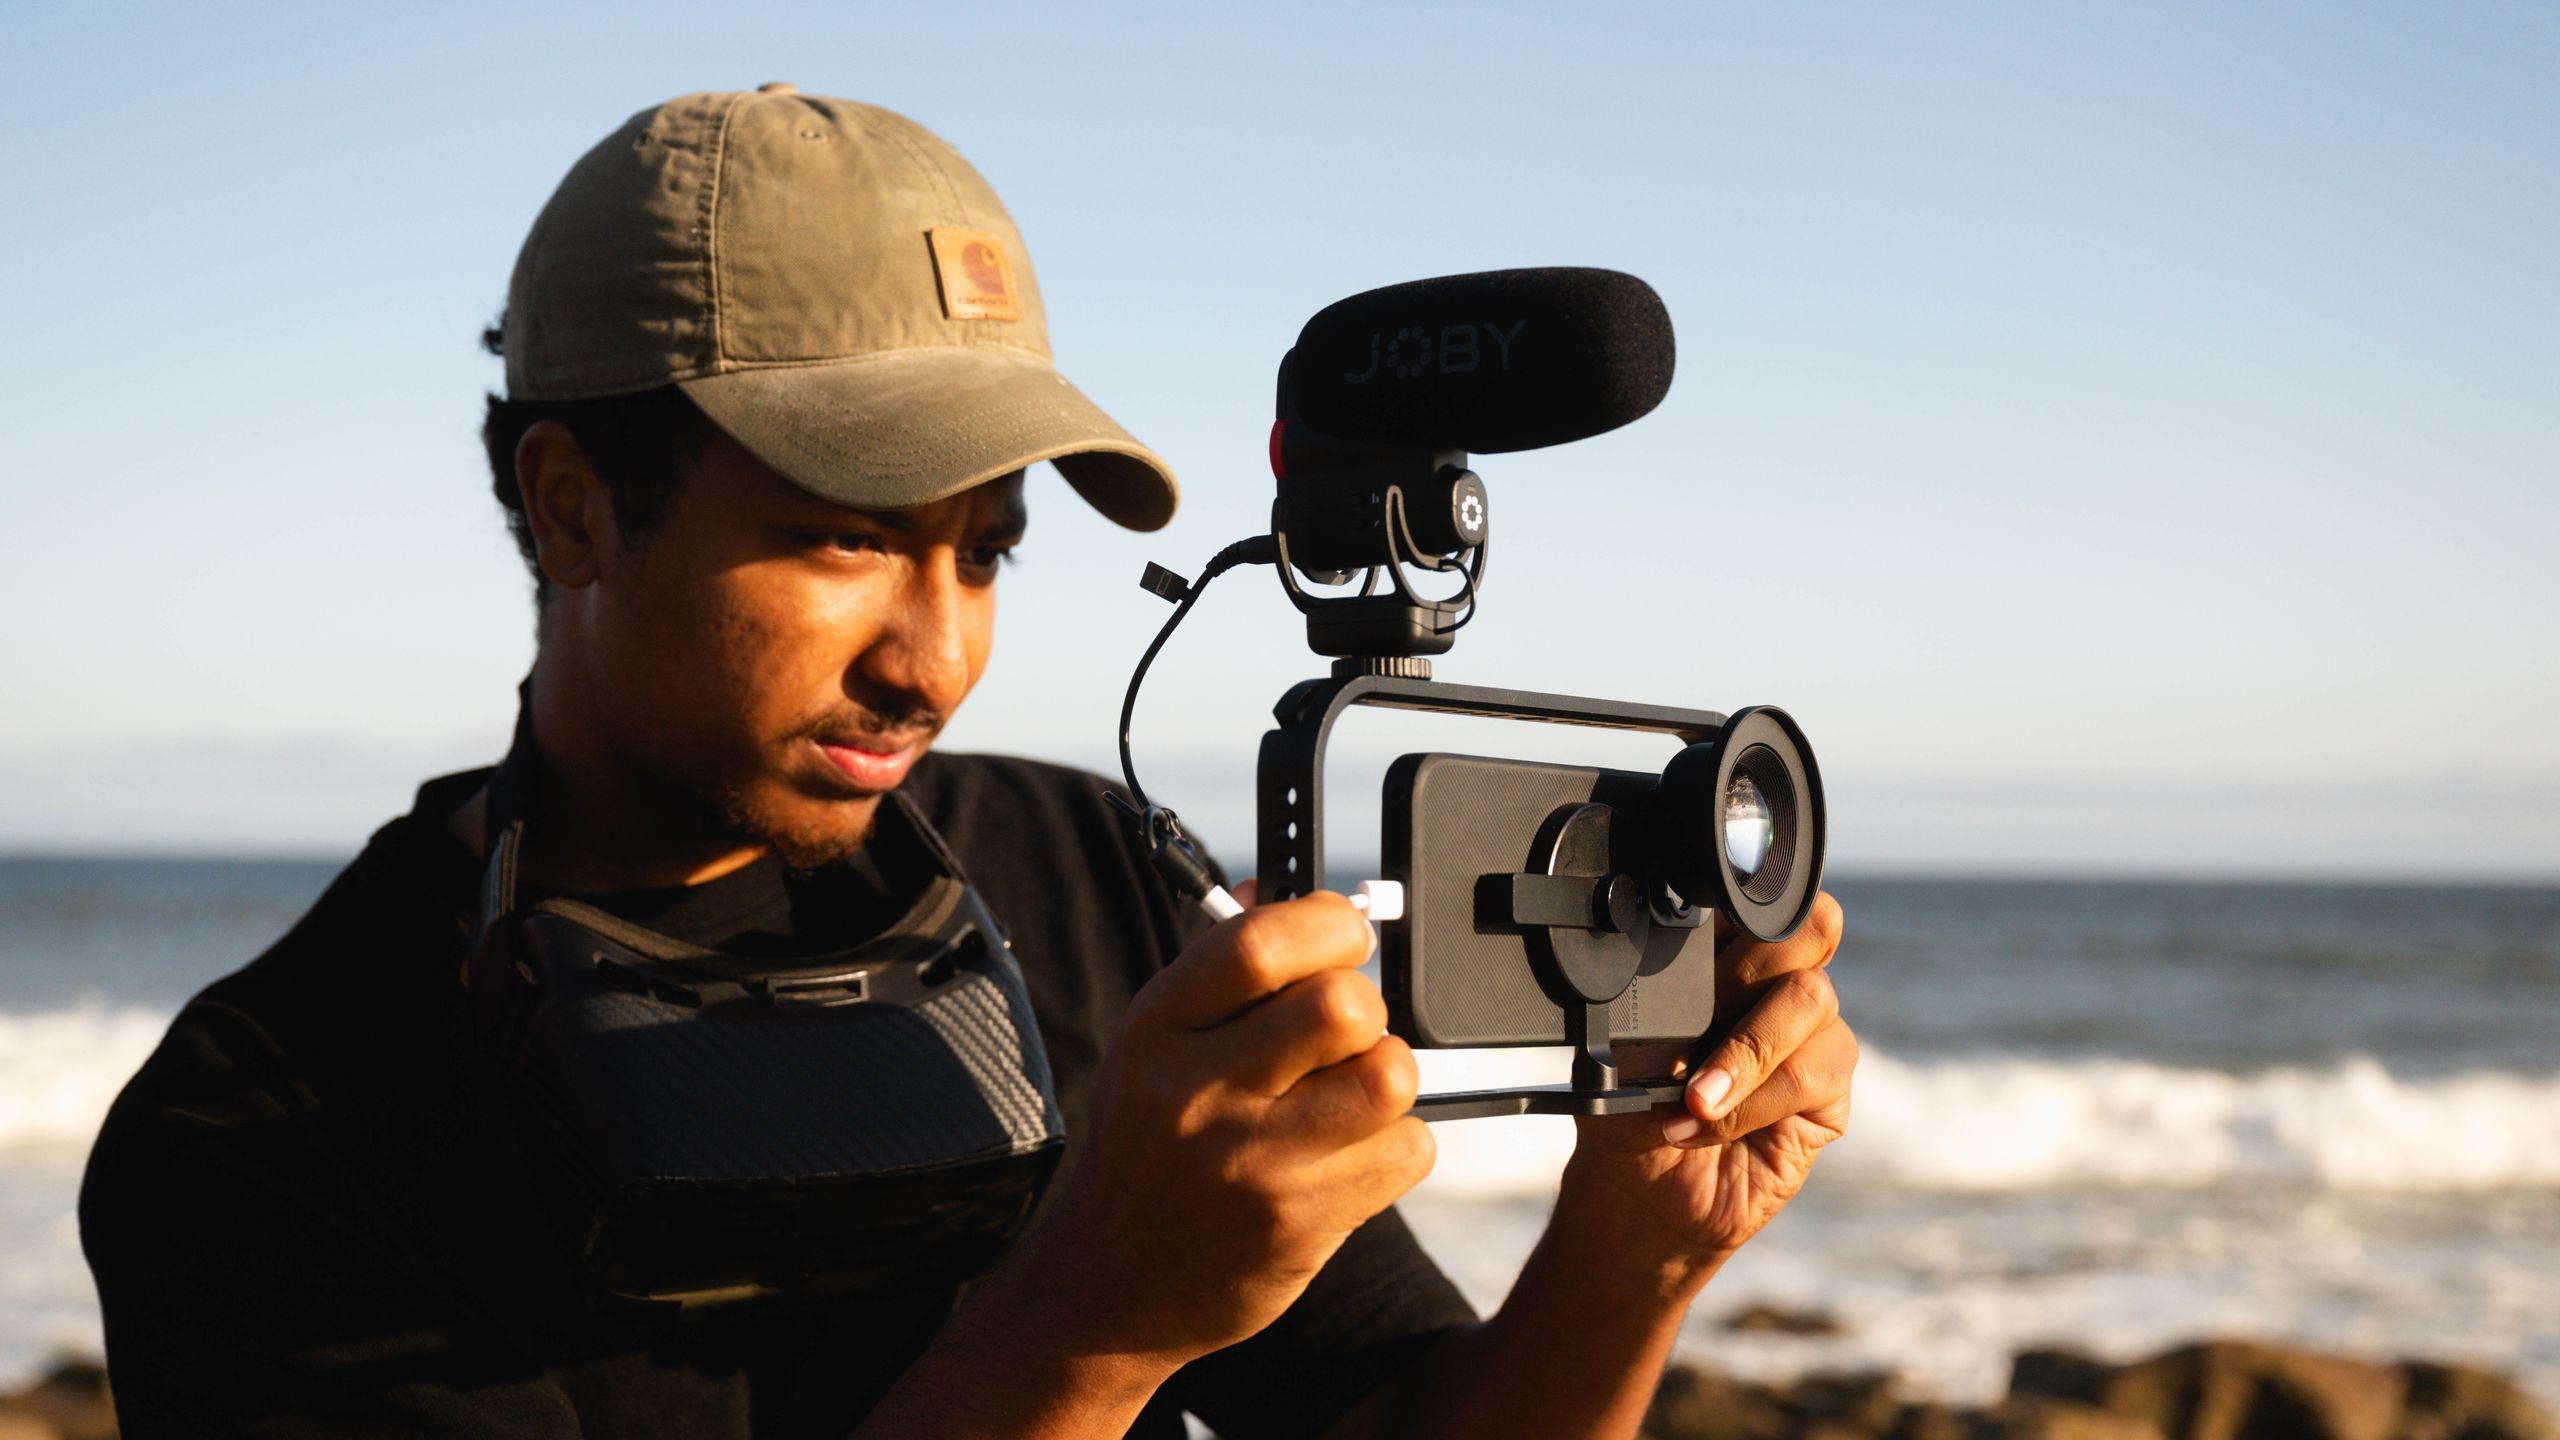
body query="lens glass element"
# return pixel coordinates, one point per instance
(1748, 830)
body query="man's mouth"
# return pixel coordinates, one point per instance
(871, 763)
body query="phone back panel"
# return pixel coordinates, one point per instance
(1457, 976)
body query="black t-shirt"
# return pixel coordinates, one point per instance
(763, 909)
(307, 1215)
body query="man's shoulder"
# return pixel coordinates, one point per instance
(1057, 863)
(351, 988)
(404, 896)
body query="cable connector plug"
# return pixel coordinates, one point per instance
(1174, 857)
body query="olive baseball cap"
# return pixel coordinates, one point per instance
(833, 285)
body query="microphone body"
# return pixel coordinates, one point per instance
(1486, 363)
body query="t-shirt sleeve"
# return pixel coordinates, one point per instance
(1366, 1319)
(245, 1293)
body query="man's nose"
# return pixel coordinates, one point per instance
(920, 655)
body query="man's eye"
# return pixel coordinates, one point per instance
(984, 557)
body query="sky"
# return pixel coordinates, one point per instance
(2124, 437)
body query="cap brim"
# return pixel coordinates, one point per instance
(903, 427)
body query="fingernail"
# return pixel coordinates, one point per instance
(1711, 1088)
(1681, 1128)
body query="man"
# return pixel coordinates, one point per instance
(776, 368)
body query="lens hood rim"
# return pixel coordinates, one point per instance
(1781, 915)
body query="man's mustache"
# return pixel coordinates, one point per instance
(890, 729)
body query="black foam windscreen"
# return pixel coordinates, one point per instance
(1496, 361)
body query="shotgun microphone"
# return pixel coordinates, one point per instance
(1485, 363)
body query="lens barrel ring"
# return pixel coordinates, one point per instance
(1766, 745)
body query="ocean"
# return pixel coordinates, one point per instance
(2114, 1115)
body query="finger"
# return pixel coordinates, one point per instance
(1813, 1081)
(1251, 956)
(1346, 1102)
(1742, 967)
(1745, 965)
(1324, 1019)
(1747, 961)
(1367, 1174)
(1789, 1010)
(1247, 891)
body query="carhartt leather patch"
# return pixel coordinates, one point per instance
(977, 279)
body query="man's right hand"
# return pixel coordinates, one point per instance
(1251, 1114)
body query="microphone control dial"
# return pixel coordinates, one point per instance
(1450, 513)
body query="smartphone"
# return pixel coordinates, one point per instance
(1456, 971)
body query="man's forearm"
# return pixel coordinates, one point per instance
(1576, 1349)
(1008, 1366)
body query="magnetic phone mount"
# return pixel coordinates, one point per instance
(1587, 925)
(1586, 920)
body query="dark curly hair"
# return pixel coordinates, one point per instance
(638, 444)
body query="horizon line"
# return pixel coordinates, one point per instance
(1898, 871)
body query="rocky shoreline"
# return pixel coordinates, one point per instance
(2217, 1390)
(68, 1402)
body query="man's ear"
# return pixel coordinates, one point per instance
(566, 505)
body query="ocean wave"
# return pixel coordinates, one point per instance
(2014, 1124)
(59, 1070)
(1992, 1123)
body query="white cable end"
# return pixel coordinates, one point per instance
(1380, 900)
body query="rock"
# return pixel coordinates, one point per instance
(2465, 1402)
(2042, 1418)
(1703, 1405)
(2017, 1418)
(2228, 1390)
(1766, 1319)
(1866, 1402)
(2066, 1374)
(69, 1403)
(1930, 1420)
(2219, 1390)
(1694, 1404)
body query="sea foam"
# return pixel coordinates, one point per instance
(59, 1070)
(2005, 1123)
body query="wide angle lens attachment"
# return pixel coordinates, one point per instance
(1739, 823)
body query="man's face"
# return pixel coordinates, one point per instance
(781, 660)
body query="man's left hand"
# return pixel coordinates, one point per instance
(1688, 1187)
